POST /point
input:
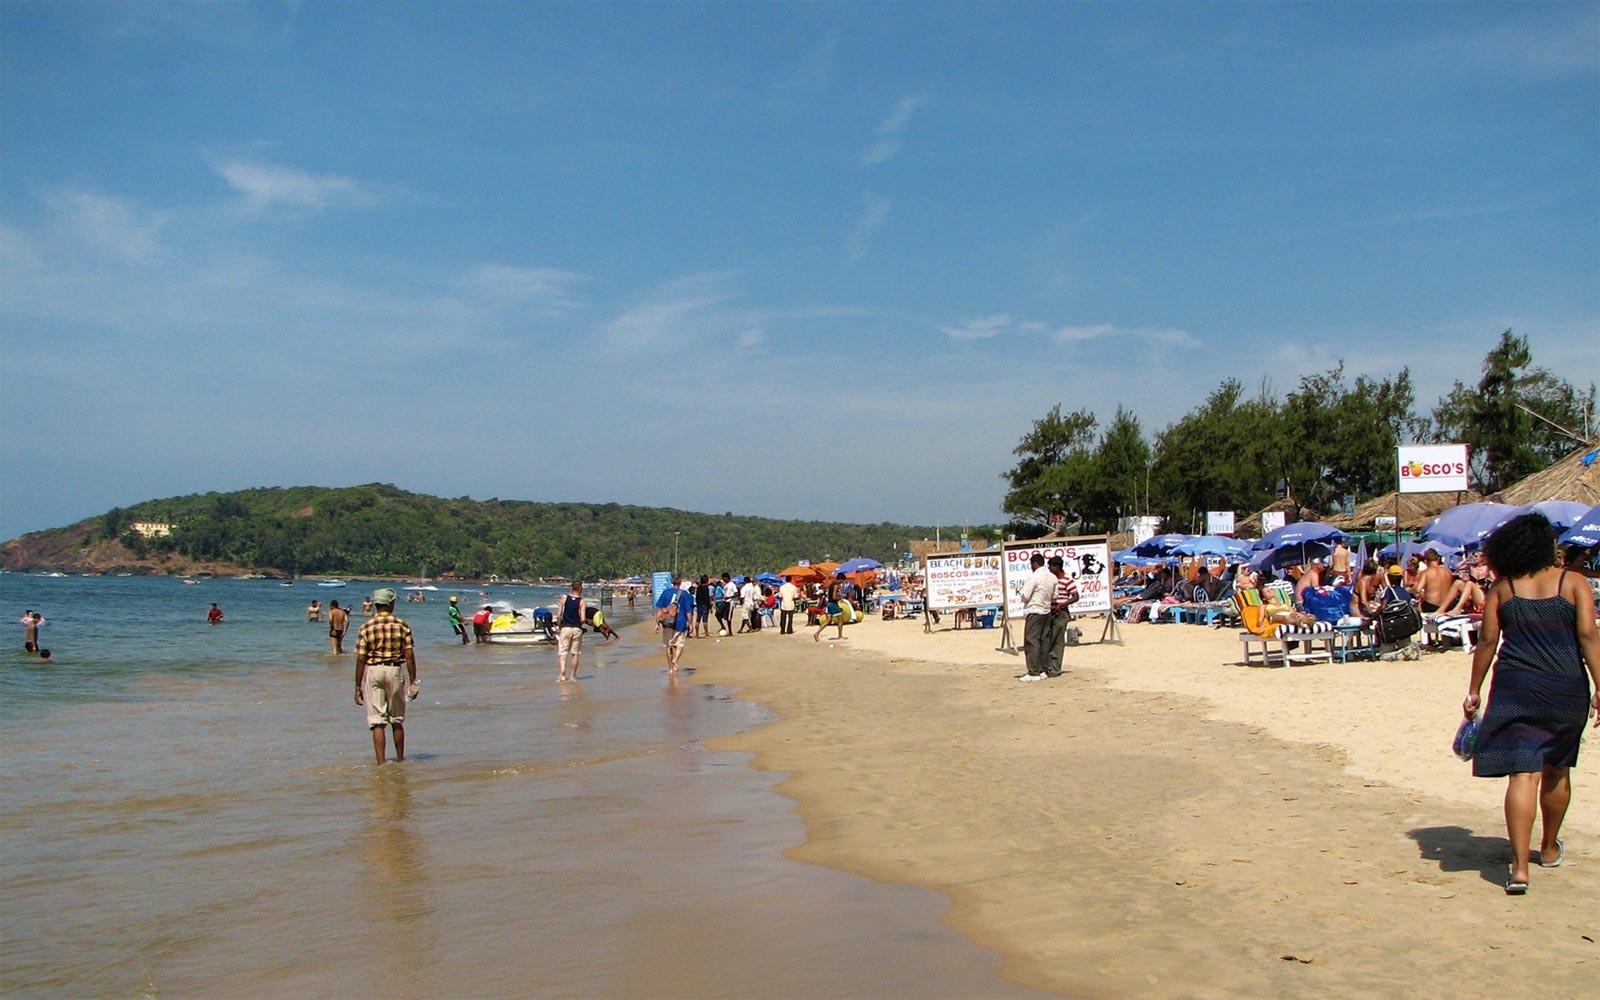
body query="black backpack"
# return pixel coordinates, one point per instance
(1397, 620)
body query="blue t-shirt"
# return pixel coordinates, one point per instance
(685, 602)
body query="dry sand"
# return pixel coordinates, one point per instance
(1162, 822)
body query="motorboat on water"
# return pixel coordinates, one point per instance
(521, 626)
(332, 583)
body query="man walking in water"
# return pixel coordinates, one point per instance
(385, 659)
(338, 622)
(456, 624)
(672, 618)
(569, 629)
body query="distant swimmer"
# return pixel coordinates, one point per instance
(314, 612)
(31, 620)
(338, 623)
(214, 616)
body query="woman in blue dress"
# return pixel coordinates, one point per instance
(1540, 698)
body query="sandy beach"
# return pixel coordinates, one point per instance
(1163, 822)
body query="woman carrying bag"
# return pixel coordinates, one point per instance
(1540, 697)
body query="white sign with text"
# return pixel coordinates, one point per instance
(1433, 468)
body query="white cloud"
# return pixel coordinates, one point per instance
(750, 339)
(109, 225)
(1149, 336)
(874, 213)
(264, 185)
(889, 131)
(655, 323)
(981, 328)
(504, 284)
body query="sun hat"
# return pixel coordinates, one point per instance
(452, 600)
(383, 595)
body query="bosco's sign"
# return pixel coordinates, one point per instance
(1433, 468)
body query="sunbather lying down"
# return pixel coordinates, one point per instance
(1284, 614)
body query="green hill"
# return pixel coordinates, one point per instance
(380, 530)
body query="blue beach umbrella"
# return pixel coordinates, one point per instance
(1562, 514)
(1470, 523)
(1410, 548)
(1298, 533)
(1290, 555)
(1586, 532)
(860, 565)
(1128, 557)
(770, 579)
(1215, 546)
(1159, 545)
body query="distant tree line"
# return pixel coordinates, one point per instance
(380, 530)
(1327, 438)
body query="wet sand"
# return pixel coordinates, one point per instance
(1161, 822)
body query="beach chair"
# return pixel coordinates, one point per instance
(1258, 631)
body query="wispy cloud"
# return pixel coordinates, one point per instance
(890, 131)
(666, 318)
(504, 284)
(981, 328)
(109, 225)
(750, 339)
(874, 213)
(1150, 336)
(264, 185)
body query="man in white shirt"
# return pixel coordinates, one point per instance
(788, 594)
(750, 597)
(1038, 593)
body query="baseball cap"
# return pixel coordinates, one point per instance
(452, 600)
(383, 595)
(1396, 571)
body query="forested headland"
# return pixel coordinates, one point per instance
(383, 531)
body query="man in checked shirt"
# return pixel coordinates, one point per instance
(385, 658)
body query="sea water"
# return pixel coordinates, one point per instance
(193, 810)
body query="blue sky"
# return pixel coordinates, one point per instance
(799, 260)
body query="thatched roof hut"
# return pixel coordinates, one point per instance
(1415, 509)
(1569, 479)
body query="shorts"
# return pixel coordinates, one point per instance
(336, 633)
(671, 638)
(702, 612)
(569, 640)
(384, 691)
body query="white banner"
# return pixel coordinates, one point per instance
(1433, 468)
(968, 580)
(1087, 560)
(1271, 520)
(1219, 522)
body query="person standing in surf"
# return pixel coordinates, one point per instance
(338, 623)
(457, 625)
(386, 673)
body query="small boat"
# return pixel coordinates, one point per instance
(521, 626)
(191, 583)
(332, 583)
(287, 583)
(422, 582)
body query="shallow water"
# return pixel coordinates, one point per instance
(193, 810)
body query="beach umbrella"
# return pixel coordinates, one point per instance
(1128, 557)
(1296, 533)
(1470, 523)
(1562, 514)
(802, 572)
(1410, 548)
(850, 566)
(827, 569)
(1290, 555)
(1214, 546)
(1160, 545)
(1358, 559)
(770, 579)
(1586, 532)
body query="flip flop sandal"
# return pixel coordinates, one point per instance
(1515, 887)
(1561, 855)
